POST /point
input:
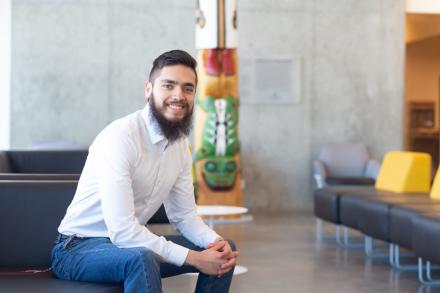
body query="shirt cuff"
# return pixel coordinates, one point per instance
(178, 255)
(211, 238)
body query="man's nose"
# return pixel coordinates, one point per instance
(178, 93)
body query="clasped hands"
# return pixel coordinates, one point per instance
(217, 259)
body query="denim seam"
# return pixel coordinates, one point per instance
(143, 267)
(60, 266)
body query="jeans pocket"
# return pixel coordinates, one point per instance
(71, 242)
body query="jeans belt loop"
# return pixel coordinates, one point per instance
(59, 238)
(69, 239)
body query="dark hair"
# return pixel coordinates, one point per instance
(174, 57)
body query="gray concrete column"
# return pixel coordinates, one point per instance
(5, 73)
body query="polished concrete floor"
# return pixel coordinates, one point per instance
(283, 255)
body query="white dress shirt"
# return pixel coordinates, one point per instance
(130, 171)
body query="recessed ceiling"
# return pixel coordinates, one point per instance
(423, 6)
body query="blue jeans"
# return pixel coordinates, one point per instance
(98, 260)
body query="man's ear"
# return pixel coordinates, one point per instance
(148, 90)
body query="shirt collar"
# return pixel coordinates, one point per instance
(153, 127)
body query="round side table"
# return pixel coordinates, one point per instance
(212, 211)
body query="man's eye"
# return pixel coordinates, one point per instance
(189, 89)
(168, 86)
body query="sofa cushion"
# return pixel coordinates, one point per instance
(49, 162)
(30, 212)
(47, 283)
(5, 167)
(426, 236)
(39, 176)
(401, 220)
(327, 200)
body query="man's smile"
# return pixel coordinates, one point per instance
(177, 106)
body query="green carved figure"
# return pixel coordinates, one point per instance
(219, 142)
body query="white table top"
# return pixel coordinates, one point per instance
(217, 210)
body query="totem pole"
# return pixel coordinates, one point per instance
(217, 149)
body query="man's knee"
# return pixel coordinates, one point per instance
(232, 244)
(142, 271)
(144, 256)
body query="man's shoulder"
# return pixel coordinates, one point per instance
(126, 123)
(125, 127)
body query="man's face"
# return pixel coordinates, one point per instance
(173, 92)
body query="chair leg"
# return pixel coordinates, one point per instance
(345, 242)
(369, 249)
(429, 267)
(429, 281)
(397, 255)
(338, 234)
(428, 271)
(391, 255)
(318, 229)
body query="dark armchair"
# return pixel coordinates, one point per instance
(345, 164)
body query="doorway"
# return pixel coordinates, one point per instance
(422, 84)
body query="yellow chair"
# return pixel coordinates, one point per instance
(435, 190)
(405, 172)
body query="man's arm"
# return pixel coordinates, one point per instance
(181, 208)
(115, 156)
(218, 257)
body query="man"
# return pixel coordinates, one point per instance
(134, 165)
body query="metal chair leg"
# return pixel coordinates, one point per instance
(318, 229)
(345, 243)
(429, 268)
(397, 265)
(369, 249)
(391, 255)
(429, 281)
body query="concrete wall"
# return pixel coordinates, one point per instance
(5, 73)
(77, 65)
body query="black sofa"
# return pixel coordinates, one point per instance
(42, 162)
(51, 165)
(42, 165)
(407, 220)
(35, 189)
(30, 212)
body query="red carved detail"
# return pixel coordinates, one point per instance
(228, 62)
(212, 65)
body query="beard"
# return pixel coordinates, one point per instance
(172, 130)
